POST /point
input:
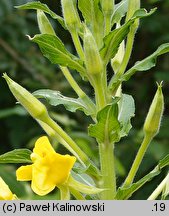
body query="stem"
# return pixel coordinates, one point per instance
(100, 87)
(107, 21)
(139, 157)
(77, 43)
(78, 90)
(107, 170)
(72, 82)
(159, 189)
(53, 135)
(106, 149)
(82, 157)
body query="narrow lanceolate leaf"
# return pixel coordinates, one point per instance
(84, 184)
(126, 112)
(39, 6)
(93, 18)
(107, 127)
(125, 193)
(16, 156)
(55, 98)
(120, 11)
(53, 49)
(113, 40)
(90, 10)
(148, 62)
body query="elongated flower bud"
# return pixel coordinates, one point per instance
(27, 100)
(93, 60)
(70, 14)
(117, 60)
(153, 119)
(44, 25)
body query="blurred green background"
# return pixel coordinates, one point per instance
(23, 61)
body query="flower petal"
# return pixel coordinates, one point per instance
(24, 173)
(50, 171)
(5, 192)
(61, 168)
(43, 147)
(41, 182)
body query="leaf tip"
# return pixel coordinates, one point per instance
(29, 37)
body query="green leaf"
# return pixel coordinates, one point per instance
(86, 7)
(16, 156)
(90, 10)
(126, 112)
(55, 98)
(17, 110)
(53, 49)
(93, 17)
(83, 183)
(83, 178)
(38, 5)
(8, 174)
(113, 40)
(107, 127)
(125, 193)
(90, 170)
(120, 11)
(148, 62)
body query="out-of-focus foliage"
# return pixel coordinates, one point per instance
(24, 62)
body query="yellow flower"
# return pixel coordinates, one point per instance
(5, 192)
(49, 169)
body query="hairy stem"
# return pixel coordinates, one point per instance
(107, 21)
(139, 157)
(77, 44)
(159, 189)
(78, 90)
(82, 157)
(72, 82)
(107, 170)
(99, 84)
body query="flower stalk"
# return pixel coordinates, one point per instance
(151, 128)
(159, 189)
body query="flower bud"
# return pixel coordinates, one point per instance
(153, 119)
(118, 58)
(27, 100)
(93, 61)
(44, 25)
(70, 14)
